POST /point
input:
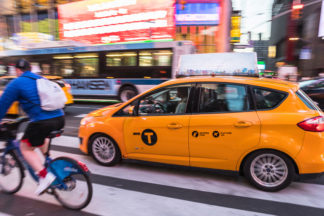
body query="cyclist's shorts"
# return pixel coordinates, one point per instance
(36, 132)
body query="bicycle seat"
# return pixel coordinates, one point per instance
(56, 133)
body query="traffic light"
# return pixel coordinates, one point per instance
(182, 4)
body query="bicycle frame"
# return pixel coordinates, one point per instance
(13, 145)
(60, 169)
(68, 172)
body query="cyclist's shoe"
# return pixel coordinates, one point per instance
(44, 183)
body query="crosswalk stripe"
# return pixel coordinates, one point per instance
(207, 182)
(81, 116)
(111, 183)
(124, 202)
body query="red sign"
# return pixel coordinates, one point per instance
(114, 21)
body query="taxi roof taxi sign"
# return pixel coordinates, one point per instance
(229, 64)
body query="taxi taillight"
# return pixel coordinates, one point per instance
(315, 124)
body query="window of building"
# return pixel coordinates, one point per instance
(267, 99)
(121, 59)
(218, 97)
(155, 58)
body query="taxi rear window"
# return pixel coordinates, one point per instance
(306, 100)
(268, 98)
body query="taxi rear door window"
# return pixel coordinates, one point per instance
(223, 97)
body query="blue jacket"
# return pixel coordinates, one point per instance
(24, 90)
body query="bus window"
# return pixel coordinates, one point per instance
(155, 58)
(86, 65)
(3, 69)
(46, 69)
(121, 59)
(63, 65)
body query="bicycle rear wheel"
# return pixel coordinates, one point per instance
(11, 173)
(72, 188)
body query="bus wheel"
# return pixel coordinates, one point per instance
(127, 93)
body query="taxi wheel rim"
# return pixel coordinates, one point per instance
(269, 170)
(127, 94)
(103, 149)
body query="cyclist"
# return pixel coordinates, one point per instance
(24, 90)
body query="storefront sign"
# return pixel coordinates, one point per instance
(236, 29)
(115, 21)
(197, 14)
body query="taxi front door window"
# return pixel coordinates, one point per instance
(166, 101)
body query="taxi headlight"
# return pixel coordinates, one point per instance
(86, 120)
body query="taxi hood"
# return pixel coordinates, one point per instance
(104, 111)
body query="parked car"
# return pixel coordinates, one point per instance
(314, 89)
(15, 109)
(265, 129)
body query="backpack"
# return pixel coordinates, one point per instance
(51, 95)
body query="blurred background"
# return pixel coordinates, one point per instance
(286, 34)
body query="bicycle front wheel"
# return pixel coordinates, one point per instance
(11, 173)
(72, 188)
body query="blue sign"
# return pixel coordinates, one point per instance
(197, 14)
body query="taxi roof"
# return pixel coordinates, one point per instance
(263, 82)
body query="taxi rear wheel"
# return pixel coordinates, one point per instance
(269, 170)
(104, 150)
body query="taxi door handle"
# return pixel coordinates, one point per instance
(243, 124)
(174, 126)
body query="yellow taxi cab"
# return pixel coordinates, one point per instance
(267, 130)
(15, 110)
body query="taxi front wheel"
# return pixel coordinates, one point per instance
(104, 150)
(269, 170)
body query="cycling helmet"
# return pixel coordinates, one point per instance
(23, 65)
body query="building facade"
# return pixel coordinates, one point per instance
(205, 22)
(294, 36)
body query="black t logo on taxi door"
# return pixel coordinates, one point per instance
(194, 133)
(149, 137)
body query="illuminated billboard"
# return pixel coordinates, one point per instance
(116, 21)
(197, 14)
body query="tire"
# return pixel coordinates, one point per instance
(127, 93)
(269, 170)
(79, 192)
(11, 173)
(104, 150)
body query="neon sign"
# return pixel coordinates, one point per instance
(112, 21)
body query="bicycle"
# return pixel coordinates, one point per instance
(72, 186)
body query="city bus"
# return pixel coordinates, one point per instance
(104, 71)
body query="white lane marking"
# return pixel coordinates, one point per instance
(3, 214)
(118, 197)
(297, 193)
(81, 115)
(66, 141)
(71, 127)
